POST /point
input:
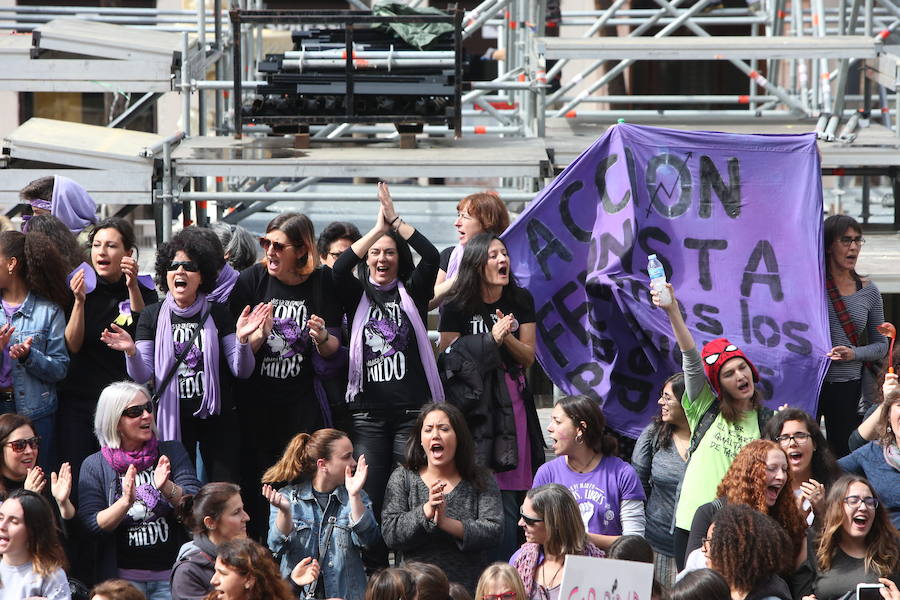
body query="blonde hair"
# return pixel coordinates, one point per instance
(504, 573)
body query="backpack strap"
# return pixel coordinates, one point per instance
(703, 426)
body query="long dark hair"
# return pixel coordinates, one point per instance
(46, 551)
(465, 446)
(835, 226)
(40, 265)
(466, 290)
(665, 431)
(588, 418)
(702, 584)
(66, 243)
(126, 231)
(823, 465)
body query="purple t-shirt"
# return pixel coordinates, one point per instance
(599, 493)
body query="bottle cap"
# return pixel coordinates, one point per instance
(651, 257)
(620, 121)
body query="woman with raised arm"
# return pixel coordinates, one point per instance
(723, 408)
(392, 370)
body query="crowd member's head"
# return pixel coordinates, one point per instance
(759, 477)
(290, 247)
(853, 514)
(391, 584)
(245, 571)
(485, 265)
(747, 547)
(33, 260)
(671, 415)
(732, 376)
(212, 239)
(843, 243)
(240, 245)
(441, 439)
(889, 425)
(577, 422)
(480, 212)
(334, 239)
(124, 416)
(631, 547)
(110, 241)
(63, 198)
(187, 265)
(702, 584)
(802, 440)
(326, 454)
(116, 589)
(431, 581)
(215, 511)
(28, 533)
(500, 581)
(459, 592)
(551, 518)
(389, 259)
(20, 448)
(66, 242)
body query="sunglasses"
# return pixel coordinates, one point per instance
(133, 412)
(18, 446)
(530, 521)
(712, 358)
(189, 266)
(264, 243)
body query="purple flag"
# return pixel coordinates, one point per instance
(736, 220)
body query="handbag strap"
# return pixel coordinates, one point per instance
(180, 358)
(840, 308)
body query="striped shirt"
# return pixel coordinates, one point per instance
(867, 312)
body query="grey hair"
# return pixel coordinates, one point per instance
(240, 245)
(113, 400)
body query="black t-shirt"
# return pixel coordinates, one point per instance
(445, 258)
(189, 375)
(147, 539)
(515, 300)
(96, 365)
(283, 363)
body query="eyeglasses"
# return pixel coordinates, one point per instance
(799, 438)
(18, 446)
(189, 266)
(264, 243)
(704, 543)
(712, 358)
(853, 501)
(668, 399)
(531, 521)
(846, 240)
(133, 412)
(503, 596)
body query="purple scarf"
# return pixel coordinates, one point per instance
(532, 555)
(455, 259)
(225, 281)
(164, 357)
(143, 458)
(426, 355)
(72, 205)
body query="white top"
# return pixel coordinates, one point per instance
(23, 582)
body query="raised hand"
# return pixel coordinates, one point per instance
(35, 480)
(317, 331)
(6, 331)
(162, 472)
(890, 388)
(76, 284)
(275, 498)
(118, 339)
(128, 485)
(387, 204)
(306, 571)
(502, 328)
(61, 483)
(250, 321)
(354, 481)
(814, 491)
(654, 296)
(22, 350)
(130, 271)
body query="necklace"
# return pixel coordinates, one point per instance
(588, 467)
(552, 579)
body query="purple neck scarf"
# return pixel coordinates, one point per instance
(225, 281)
(426, 355)
(455, 258)
(72, 205)
(143, 458)
(164, 357)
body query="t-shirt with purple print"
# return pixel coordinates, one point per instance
(599, 493)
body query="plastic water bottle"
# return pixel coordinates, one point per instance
(658, 280)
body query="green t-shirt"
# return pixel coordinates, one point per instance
(713, 455)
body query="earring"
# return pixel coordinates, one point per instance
(579, 439)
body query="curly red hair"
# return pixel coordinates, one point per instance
(745, 483)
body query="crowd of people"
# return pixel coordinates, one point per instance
(283, 427)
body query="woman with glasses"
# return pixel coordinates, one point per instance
(500, 581)
(879, 460)
(284, 394)
(392, 370)
(857, 543)
(660, 457)
(334, 240)
(553, 528)
(813, 467)
(476, 213)
(855, 311)
(196, 404)
(128, 491)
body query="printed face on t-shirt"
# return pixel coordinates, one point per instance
(286, 345)
(386, 335)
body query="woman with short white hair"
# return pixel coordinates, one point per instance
(128, 490)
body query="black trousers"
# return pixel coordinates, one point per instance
(838, 403)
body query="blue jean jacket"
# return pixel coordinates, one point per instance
(35, 378)
(342, 566)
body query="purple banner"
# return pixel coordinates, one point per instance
(736, 221)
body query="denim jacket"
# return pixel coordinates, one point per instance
(35, 378)
(342, 567)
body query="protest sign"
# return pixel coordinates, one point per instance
(588, 578)
(736, 220)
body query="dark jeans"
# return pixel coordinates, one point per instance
(219, 441)
(75, 439)
(838, 403)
